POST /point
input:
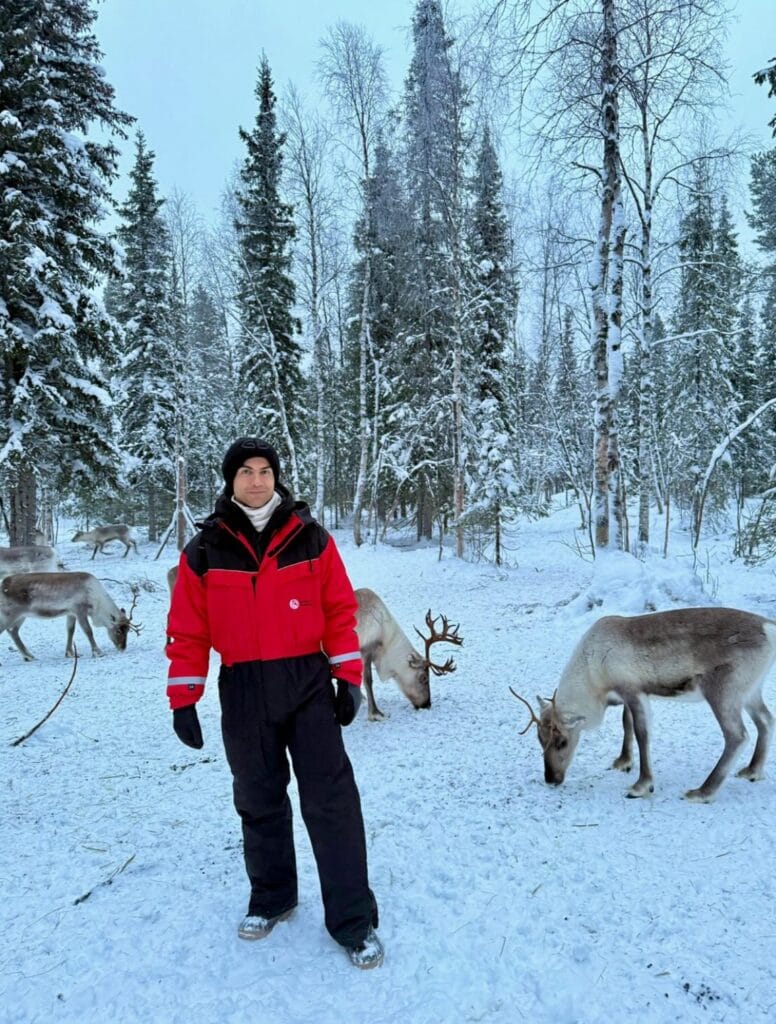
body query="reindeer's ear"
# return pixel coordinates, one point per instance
(543, 702)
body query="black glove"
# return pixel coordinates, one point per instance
(347, 702)
(186, 725)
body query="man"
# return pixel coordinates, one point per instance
(264, 585)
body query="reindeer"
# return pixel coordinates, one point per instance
(29, 558)
(75, 594)
(384, 644)
(721, 655)
(102, 535)
(172, 576)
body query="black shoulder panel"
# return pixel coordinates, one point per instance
(305, 546)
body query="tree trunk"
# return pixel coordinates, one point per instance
(23, 507)
(363, 422)
(598, 275)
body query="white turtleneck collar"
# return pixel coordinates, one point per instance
(259, 517)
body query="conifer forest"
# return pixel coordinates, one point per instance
(515, 275)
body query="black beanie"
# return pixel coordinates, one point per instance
(245, 448)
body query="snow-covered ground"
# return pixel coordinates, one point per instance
(501, 899)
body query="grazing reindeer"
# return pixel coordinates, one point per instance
(719, 654)
(102, 535)
(76, 594)
(384, 644)
(29, 558)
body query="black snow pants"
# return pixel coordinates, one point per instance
(268, 708)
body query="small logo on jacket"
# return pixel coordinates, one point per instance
(293, 604)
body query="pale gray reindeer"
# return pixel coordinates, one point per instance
(384, 645)
(721, 655)
(78, 595)
(27, 558)
(102, 535)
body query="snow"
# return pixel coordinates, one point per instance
(502, 899)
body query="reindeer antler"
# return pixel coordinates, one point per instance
(134, 626)
(448, 634)
(534, 719)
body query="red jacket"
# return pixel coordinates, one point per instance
(268, 598)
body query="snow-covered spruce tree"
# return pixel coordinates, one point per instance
(214, 406)
(56, 342)
(430, 338)
(492, 483)
(571, 403)
(384, 233)
(703, 408)
(150, 373)
(768, 76)
(763, 221)
(270, 366)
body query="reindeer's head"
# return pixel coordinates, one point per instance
(118, 630)
(558, 737)
(121, 623)
(418, 688)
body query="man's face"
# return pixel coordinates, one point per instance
(254, 482)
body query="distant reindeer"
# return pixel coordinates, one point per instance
(78, 595)
(721, 655)
(102, 535)
(384, 645)
(27, 558)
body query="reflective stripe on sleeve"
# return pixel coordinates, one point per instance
(339, 658)
(186, 681)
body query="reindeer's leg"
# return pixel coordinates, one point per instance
(94, 552)
(69, 652)
(374, 714)
(83, 622)
(126, 549)
(643, 784)
(624, 761)
(13, 632)
(718, 687)
(763, 719)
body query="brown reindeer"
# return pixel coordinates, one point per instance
(384, 645)
(78, 595)
(721, 655)
(102, 535)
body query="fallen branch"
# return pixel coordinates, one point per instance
(105, 881)
(51, 712)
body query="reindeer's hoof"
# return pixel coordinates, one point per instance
(378, 716)
(640, 789)
(698, 796)
(621, 764)
(28, 657)
(750, 774)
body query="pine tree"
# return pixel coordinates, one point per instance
(214, 391)
(150, 375)
(763, 221)
(492, 483)
(432, 328)
(270, 368)
(702, 398)
(56, 341)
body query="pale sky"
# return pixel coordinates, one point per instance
(187, 70)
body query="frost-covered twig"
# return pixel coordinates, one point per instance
(54, 708)
(105, 881)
